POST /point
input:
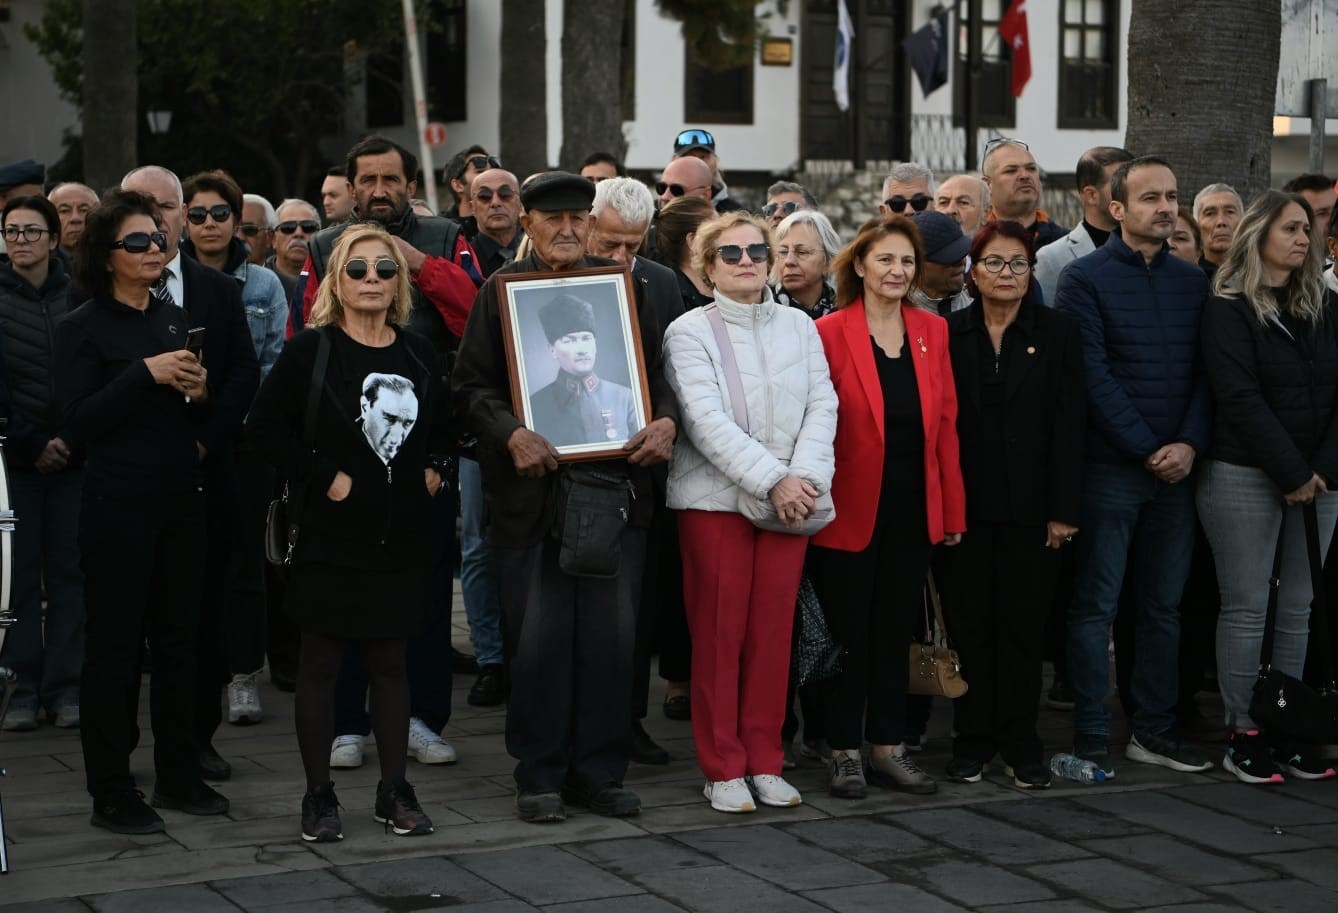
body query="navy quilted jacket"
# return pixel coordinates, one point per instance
(1146, 385)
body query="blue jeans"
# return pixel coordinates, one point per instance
(1242, 510)
(478, 571)
(1125, 505)
(47, 658)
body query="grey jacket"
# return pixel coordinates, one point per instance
(1051, 260)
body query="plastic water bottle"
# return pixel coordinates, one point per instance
(1068, 767)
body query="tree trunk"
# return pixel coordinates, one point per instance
(592, 63)
(1212, 122)
(524, 114)
(110, 91)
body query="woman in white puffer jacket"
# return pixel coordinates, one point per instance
(739, 580)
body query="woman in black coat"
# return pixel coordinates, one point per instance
(1021, 421)
(362, 492)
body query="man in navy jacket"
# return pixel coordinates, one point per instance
(1148, 417)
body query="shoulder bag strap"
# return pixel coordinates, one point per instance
(314, 391)
(1274, 583)
(1319, 607)
(732, 380)
(939, 634)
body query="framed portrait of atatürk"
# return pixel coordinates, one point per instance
(573, 348)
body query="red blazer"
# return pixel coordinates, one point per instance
(859, 426)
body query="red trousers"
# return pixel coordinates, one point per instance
(739, 588)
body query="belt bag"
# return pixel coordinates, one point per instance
(590, 512)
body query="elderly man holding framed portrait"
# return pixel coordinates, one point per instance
(569, 599)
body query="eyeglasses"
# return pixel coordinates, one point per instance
(731, 254)
(485, 194)
(898, 203)
(693, 138)
(386, 268)
(788, 208)
(137, 242)
(250, 229)
(310, 226)
(1018, 266)
(220, 213)
(29, 233)
(677, 190)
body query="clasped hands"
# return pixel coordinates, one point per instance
(794, 499)
(182, 371)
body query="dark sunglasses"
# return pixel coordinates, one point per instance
(197, 214)
(898, 203)
(676, 190)
(485, 194)
(250, 229)
(479, 163)
(733, 253)
(690, 138)
(310, 226)
(788, 208)
(386, 268)
(1004, 141)
(137, 242)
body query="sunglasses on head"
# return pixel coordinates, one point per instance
(898, 203)
(220, 213)
(310, 226)
(386, 268)
(733, 253)
(485, 194)
(250, 229)
(788, 208)
(137, 242)
(690, 138)
(479, 163)
(1004, 141)
(676, 190)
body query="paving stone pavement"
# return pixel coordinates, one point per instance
(1152, 840)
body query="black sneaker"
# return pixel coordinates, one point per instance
(195, 799)
(540, 808)
(320, 815)
(1303, 761)
(124, 812)
(1029, 775)
(965, 770)
(1166, 750)
(611, 800)
(1249, 758)
(398, 809)
(1093, 746)
(489, 689)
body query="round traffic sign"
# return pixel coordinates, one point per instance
(435, 134)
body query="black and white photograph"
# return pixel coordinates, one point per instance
(388, 409)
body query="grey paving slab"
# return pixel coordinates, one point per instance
(362, 905)
(1287, 807)
(289, 887)
(47, 906)
(860, 839)
(780, 858)
(968, 881)
(1319, 867)
(419, 878)
(1286, 896)
(640, 903)
(1326, 834)
(638, 855)
(1061, 819)
(1113, 884)
(1199, 908)
(995, 840)
(1178, 861)
(197, 898)
(1192, 822)
(868, 897)
(1043, 906)
(721, 889)
(669, 819)
(546, 875)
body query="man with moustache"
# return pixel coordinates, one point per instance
(1014, 180)
(965, 199)
(1093, 178)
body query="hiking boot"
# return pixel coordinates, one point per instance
(1167, 750)
(540, 808)
(846, 775)
(1094, 747)
(898, 771)
(1248, 757)
(398, 809)
(320, 815)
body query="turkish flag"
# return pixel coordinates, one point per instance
(1013, 29)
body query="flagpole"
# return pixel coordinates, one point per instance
(973, 53)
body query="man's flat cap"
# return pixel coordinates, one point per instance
(24, 172)
(556, 191)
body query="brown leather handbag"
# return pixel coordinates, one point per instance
(935, 668)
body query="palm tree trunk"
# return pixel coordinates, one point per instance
(110, 91)
(592, 60)
(524, 114)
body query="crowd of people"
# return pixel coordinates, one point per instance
(1066, 433)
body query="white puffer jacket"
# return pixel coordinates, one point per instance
(790, 398)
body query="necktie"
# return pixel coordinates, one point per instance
(160, 289)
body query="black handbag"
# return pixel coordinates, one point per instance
(1284, 706)
(283, 520)
(591, 508)
(816, 655)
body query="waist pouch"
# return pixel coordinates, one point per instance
(590, 512)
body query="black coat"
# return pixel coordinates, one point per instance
(661, 287)
(29, 317)
(1274, 391)
(1045, 421)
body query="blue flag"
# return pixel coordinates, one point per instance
(927, 48)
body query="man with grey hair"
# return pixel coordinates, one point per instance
(1014, 180)
(908, 184)
(965, 199)
(298, 222)
(73, 202)
(785, 198)
(256, 228)
(1217, 210)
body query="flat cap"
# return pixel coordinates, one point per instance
(556, 191)
(942, 237)
(19, 173)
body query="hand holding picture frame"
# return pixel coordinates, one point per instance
(573, 349)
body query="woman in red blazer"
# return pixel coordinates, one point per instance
(897, 490)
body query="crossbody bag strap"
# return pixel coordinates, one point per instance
(1274, 583)
(1319, 607)
(314, 390)
(732, 380)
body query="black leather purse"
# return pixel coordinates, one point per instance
(1282, 705)
(283, 520)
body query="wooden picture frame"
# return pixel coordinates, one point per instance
(574, 358)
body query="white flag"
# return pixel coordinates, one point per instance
(845, 33)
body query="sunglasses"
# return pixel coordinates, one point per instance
(676, 190)
(250, 229)
(917, 202)
(788, 208)
(137, 242)
(1004, 141)
(694, 138)
(220, 213)
(30, 233)
(731, 254)
(485, 194)
(1017, 266)
(310, 226)
(386, 268)
(479, 163)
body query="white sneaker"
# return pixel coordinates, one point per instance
(427, 746)
(773, 790)
(346, 751)
(243, 700)
(729, 795)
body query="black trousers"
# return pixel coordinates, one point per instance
(211, 658)
(143, 564)
(997, 587)
(871, 600)
(661, 621)
(244, 619)
(569, 645)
